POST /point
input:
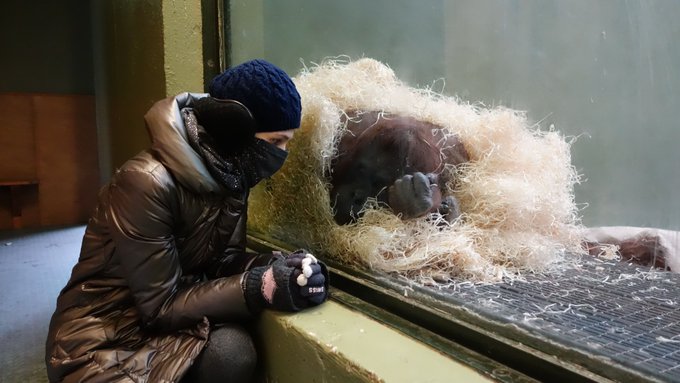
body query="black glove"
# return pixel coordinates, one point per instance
(313, 276)
(414, 195)
(291, 283)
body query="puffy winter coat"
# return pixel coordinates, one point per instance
(152, 273)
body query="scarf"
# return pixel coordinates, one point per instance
(237, 170)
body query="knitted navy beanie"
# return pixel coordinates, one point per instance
(265, 89)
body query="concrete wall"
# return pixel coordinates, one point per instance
(129, 74)
(46, 47)
(77, 79)
(335, 344)
(144, 50)
(48, 130)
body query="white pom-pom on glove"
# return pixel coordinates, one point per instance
(313, 277)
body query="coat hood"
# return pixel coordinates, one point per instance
(169, 141)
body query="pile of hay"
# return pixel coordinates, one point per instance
(516, 193)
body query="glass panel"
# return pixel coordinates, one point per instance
(603, 71)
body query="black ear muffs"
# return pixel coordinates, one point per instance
(228, 122)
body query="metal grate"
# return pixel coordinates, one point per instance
(599, 321)
(616, 313)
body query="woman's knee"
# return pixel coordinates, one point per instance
(233, 341)
(229, 356)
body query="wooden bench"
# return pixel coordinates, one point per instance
(15, 188)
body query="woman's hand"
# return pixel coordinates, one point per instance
(292, 283)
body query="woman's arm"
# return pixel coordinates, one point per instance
(141, 212)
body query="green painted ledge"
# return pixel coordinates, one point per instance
(334, 343)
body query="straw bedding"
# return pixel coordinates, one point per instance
(516, 192)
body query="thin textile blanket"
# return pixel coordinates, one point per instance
(648, 246)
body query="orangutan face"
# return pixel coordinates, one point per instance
(376, 150)
(368, 173)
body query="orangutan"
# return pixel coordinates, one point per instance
(397, 160)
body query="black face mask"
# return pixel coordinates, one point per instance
(236, 170)
(261, 160)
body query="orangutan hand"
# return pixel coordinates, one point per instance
(414, 195)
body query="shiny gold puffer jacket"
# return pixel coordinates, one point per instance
(151, 274)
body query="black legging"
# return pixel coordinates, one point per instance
(228, 357)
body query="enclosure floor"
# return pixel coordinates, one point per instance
(610, 312)
(34, 267)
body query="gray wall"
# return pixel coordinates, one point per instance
(408, 35)
(603, 71)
